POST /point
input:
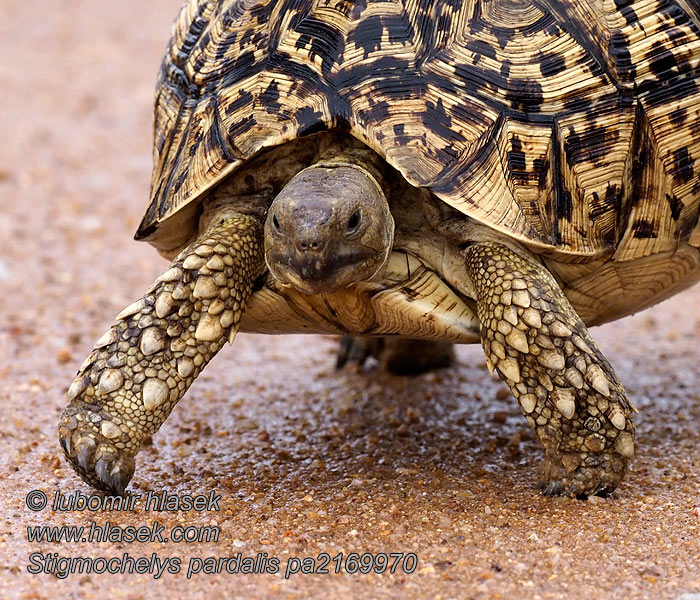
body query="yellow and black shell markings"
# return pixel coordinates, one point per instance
(572, 126)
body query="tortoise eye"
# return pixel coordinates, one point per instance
(353, 223)
(276, 223)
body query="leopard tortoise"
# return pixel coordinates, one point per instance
(508, 171)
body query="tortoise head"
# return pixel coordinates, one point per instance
(330, 227)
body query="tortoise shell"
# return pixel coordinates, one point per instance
(571, 126)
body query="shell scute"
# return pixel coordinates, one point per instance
(571, 126)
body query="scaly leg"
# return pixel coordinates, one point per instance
(566, 388)
(146, 362)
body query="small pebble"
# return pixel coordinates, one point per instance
(64, 356)
(503, 393)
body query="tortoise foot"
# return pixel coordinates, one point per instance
(581, 474)
(567, 390)
(95, 458)
(400, 356)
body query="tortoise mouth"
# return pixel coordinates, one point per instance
(326, 274)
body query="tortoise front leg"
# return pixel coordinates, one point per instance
(566, 388)
(146, 362)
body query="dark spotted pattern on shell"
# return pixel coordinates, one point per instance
(573, 126)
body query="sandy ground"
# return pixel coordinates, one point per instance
(307, 460)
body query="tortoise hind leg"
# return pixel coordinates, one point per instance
(401, 356)
(566, 388)
(146, 362)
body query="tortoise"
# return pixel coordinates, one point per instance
(412, 174)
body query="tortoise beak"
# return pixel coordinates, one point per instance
(320, 271)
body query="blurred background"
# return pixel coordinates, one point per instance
(308, 459)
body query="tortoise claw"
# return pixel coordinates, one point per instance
(551, 488)
(96, 459)
(66, 445)
(595, 474)
(114, 472)
(85, 454)
(102, 470)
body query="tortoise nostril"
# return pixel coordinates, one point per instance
(276, 223)
(309, 245)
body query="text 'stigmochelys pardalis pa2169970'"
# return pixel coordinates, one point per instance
(412, 174)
